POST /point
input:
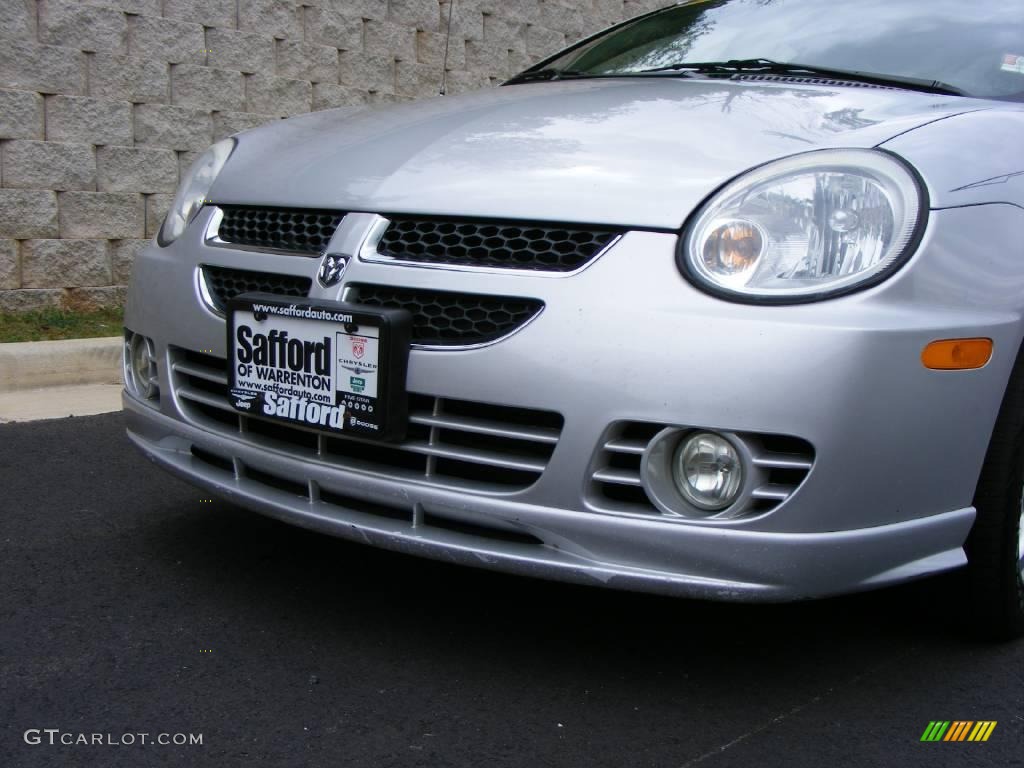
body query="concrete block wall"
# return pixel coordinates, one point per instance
(104, 103)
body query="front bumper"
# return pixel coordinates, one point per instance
(713, 563)
(897, 448)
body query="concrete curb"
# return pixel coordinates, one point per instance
(36, 364)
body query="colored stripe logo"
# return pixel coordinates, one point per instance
(958, 730)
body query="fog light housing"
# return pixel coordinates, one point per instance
(140, 373)
(708, 471)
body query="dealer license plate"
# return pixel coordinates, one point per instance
(324, 365)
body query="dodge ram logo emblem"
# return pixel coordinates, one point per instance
(331, 269)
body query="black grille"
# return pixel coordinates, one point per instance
(281, 229)
(224, 284)
(507, 245)
(442, 318)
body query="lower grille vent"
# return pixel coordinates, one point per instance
(454, 443)
(328, 499)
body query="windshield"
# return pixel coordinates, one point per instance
(976, 46)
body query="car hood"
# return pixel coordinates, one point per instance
(641, 152)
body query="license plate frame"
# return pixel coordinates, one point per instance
(332, 367)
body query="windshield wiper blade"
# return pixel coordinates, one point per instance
(543, 75)
(769, 67)
(737, 65)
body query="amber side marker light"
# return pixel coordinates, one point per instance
(957, 354)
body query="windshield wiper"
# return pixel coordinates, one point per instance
(769, 67)
(543, 75)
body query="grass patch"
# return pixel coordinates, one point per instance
(49, 324)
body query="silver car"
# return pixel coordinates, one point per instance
(725, 302)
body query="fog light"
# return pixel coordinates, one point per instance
(708, 471)
(140, 374)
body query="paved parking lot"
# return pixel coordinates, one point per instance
(129, 605)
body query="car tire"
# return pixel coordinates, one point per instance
(995, 584)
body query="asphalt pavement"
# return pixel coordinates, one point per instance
(129, 604)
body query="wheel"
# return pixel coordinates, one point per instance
(995, 545)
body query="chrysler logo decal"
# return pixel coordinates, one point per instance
(331, 269)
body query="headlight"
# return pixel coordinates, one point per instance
(194, 189)
(807, 227)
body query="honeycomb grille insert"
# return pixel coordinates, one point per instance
(442, 318)
(280, 229)
(453, 443)
(504, 245)
(224, 284)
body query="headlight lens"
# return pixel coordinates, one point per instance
(194, 190)
(806, 227)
